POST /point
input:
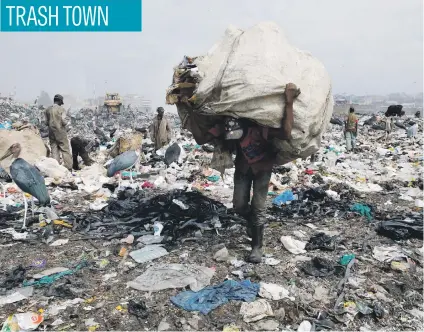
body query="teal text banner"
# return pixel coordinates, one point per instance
(71, 15)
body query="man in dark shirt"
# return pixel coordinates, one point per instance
(254, 161)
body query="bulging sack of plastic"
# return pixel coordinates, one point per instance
(51, 168)
(245, 74)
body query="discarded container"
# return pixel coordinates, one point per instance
(157, 228)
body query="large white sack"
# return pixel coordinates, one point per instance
(245, 74)
(32, 146)
(51, 168)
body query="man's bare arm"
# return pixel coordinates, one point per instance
(284, 133)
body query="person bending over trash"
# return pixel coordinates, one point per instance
(58, 136)
(351, 130)
(82, 147)
(160, 129)
(255, 158)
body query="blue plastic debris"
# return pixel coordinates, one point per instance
(212, 297)
(283, 198)
(363, 210)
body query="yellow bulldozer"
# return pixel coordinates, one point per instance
(113, 103)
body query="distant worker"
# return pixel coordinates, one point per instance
(57, 122)
(160, 129)
(82, 147)
(389, 126)
(351, 130)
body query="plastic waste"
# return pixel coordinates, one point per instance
(27, 321)
(305, 326)
(148, 253)
(49, 272)
(401, 230)
(164, 276)
(212, 297)
(18, 295)
(151, 239)
(213, 178)
(419, 203)
(60, 242)
(332, 194)
(321, 241)
(273, 292)
(15, 235)
(128, 240)
(296, 247)
(47, 280)
(271, 261)
(363, 210)
(266, 325)
(284, 198)
(345, 259)
(387, 254)
(14, 278)
(221, 255)
(318, 267)
(138, 309)
(157, 228)
(255, 311)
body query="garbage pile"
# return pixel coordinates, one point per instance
(158, 246)
(176, 213)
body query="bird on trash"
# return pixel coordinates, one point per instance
(27, 178)
(124, 161)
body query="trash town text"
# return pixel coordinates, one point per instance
(45, 16)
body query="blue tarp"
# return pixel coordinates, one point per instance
(212, 297)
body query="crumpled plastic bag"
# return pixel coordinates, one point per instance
(401, 230)
(254, 311)
(166, 276)
(296, 247)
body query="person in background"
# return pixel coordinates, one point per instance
(255, 158)
(82, 147)
(160, 129)
(58, 136)
(351, 130)
(390, 122)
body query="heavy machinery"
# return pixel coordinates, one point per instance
(113, 103)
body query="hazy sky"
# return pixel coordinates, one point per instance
(368, 46)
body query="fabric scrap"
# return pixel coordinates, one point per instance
(212, 297)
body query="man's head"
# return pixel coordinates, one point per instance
(160, 111)
(351, 110)
(58, 100)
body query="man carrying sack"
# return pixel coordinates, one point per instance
(255, 159)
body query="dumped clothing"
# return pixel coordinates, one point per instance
(165, 276)
(212, 297)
